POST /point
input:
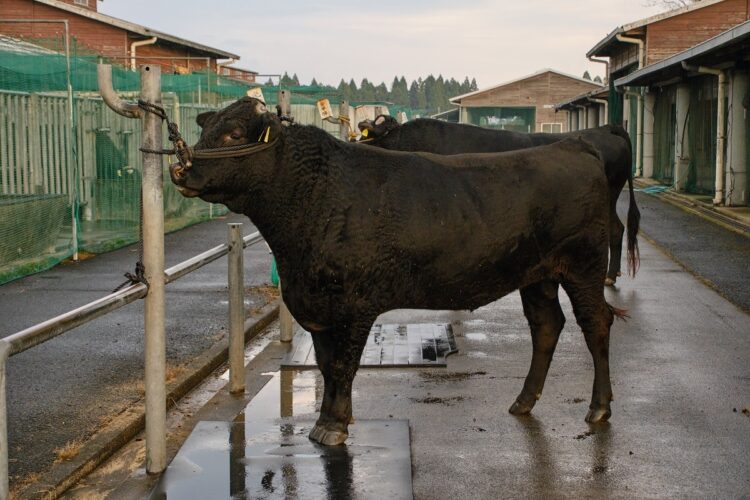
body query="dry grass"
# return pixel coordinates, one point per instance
(69, 451)
(268, 292)
(21, 482)
(172, 374)
(81, 257)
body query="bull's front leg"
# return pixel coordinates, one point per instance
(337, 352)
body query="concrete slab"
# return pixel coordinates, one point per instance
(388, 346)
(260, 455)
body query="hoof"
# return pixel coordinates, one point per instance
(597, 415)
(609, 282)
(327, 436)
(519, 408)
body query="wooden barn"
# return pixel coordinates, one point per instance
(525, 104)
(647, 42)
(124, 42)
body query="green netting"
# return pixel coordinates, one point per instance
(702, 134)
(504, 118)
(70, 171)
(665, 124)
(615, 105)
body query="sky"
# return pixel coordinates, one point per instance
(493, 41)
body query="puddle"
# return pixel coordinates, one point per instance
(265, 452)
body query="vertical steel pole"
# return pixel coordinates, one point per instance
(344, 127)
(153, 261)
(236, 310)
(4, 352)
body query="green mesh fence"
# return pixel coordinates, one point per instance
(615, 105)
(70, 170)
(665, 123)
(504, 118)
(702, 135)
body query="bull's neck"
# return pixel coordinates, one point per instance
(286, 198)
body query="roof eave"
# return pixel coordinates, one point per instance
(137, 29)
(650, 73)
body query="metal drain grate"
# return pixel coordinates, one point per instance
(388, 346)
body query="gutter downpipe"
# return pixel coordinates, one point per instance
(720, 134)
(606, 67)
(582, 123)
(639, 120)
(224, 64)
(135, 45)
(603, 102)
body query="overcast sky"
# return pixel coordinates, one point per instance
(493, 41)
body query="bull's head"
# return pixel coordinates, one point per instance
(217, 180)
(380, 126)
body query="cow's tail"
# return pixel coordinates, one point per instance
(621, 314)
(634, 215)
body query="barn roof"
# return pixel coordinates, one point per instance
(604, 46)
(457, 99)
(726, 47)
(137, 28)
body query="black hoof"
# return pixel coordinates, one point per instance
(597, 415)
(328, 435)
(520, 408)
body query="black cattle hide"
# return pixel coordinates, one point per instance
(360, 231)
(445, 138)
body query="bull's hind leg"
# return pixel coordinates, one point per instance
(616, 232)
(542, 309)
(337, 353)
(595, 319)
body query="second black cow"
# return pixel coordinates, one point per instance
(445, 138)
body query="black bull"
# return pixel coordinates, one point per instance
(444, 138)
(360, 231)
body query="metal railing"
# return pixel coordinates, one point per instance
(47, 330)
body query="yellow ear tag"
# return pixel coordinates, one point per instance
(365, 133)
(268, 132)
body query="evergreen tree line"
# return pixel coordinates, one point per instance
(429, 95)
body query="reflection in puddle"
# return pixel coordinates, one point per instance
(263, 455)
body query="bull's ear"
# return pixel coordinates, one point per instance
(202, 118)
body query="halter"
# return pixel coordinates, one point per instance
(186, 154)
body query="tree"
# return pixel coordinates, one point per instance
(314, 83)
(474, 87)
(598, 79)
(586, 75)
(295, 80)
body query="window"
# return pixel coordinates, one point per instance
(552, 128)
(84, 3)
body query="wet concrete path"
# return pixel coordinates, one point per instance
(64, 390)
(680, 375)
(716, 254)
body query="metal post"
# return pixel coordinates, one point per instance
(236, 310)
(344, 127)
(153, 261)
(285, 101)
(4, 352)
(286, 321)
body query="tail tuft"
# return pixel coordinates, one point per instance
(621, 314)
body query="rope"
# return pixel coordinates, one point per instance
(185, 154)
